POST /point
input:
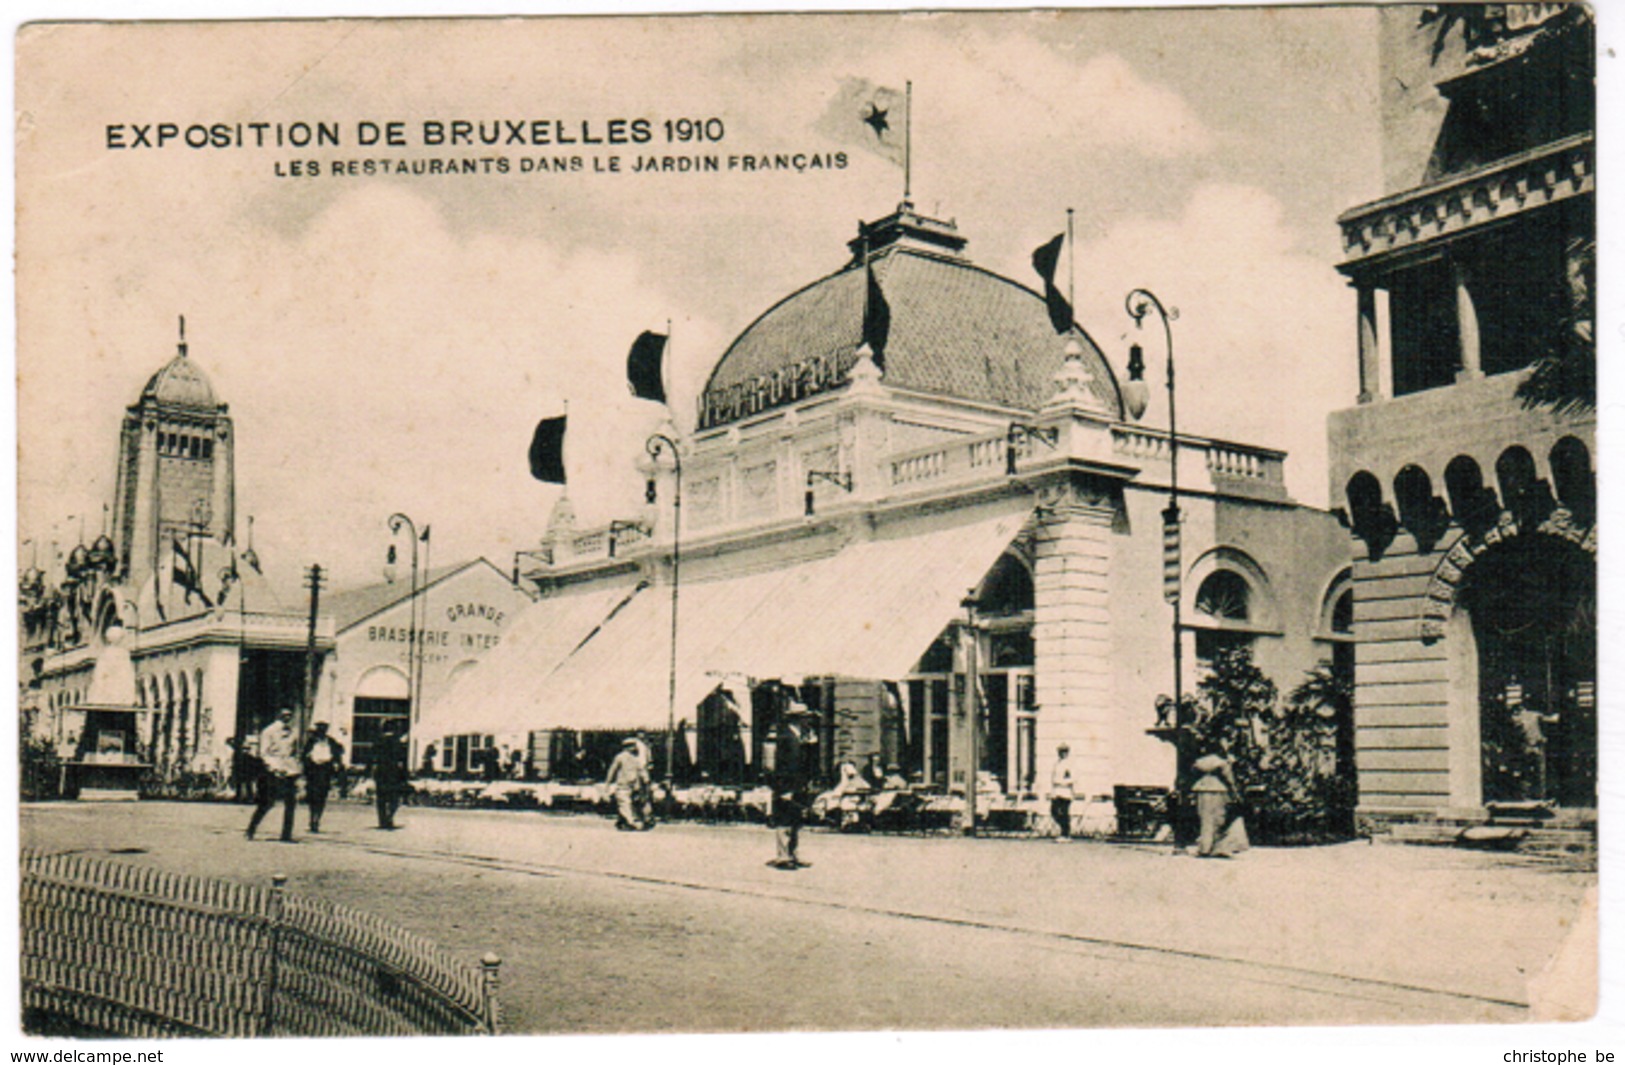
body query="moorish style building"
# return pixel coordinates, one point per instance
(1472, 506)
(860, 521)
(216, 650)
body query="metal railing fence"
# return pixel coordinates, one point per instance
(121, 949)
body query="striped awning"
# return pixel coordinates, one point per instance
(500, 694)
(869, 610)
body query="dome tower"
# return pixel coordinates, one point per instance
(175, 476)
(957, 332)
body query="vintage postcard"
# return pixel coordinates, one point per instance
(890, 521)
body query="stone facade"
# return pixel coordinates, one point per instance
(1458, 489)
(1074, 633)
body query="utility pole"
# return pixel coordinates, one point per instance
(314, 579)
(972, 709)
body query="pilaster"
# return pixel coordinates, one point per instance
(1072, 637)
(1370, 349)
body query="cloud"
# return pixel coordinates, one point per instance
(380, 361)
(1264, 343)
(1021, 90)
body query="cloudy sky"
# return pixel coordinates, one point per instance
(388, 343)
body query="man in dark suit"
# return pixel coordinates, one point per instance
(323, 759)
(790, 776)
(389, 773)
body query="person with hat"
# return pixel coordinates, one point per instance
(790, 777)
(628, 781)
(1061, 792)
(323, 758)
(277, 743)
(389, 772)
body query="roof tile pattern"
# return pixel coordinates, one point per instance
(181, 384)
(956, 330)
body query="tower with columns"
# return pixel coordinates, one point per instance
(175, 475)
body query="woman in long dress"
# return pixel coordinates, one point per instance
(1221, 831)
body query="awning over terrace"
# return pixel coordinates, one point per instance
(869, 610)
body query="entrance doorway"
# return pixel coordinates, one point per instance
(1532, 603)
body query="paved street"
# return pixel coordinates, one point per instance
(685, 928)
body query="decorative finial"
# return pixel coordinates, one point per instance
(182, 344)
(1072, 383)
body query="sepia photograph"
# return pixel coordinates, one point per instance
(689, 523)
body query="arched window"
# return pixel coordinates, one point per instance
(1422, 513)
(1474, 506)
(1527, 496)
(382, 695)
(167, 736)
(1224, 596)
(199, 725)
(1573, 478)
(183, 715)
(1371, 518)
(1343, 614)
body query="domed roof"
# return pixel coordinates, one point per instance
(955, 329)
(181, 384)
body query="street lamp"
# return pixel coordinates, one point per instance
(414, 653)
(1139, 303)
(657, 445)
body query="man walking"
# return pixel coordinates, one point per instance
(323, 757)
(628, 781)
(1060, 792)
(389, 773)
(789, 776)
(277, 744)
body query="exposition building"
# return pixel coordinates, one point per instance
(863, 526)
(176, 591)
(1466, 467)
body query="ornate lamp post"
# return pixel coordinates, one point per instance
(1139, 303)
(657, 445)
(397, 522)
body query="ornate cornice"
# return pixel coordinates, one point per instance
(1435, 213)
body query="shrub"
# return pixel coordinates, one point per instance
(41, 770)
(1287, 758)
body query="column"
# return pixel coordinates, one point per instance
(144, 524)
(222, 507)
(1073, 642)
(1370, 371)
(1466, 324)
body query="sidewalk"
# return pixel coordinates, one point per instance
(1468, 924)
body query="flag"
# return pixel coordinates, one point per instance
(229, 578)
(876, 318)
(185, 574)
(1045, 260)
(547, 451)
(643, 367)
(869, 116)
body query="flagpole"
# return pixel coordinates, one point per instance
(1071, 263)
(908, 140)
(865, 261)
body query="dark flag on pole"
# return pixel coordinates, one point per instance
(185, 574)
(643, 367)
(1045, 260)
(547, 451)
(876, 318)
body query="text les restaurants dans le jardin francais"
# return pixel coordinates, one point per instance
(435, 147)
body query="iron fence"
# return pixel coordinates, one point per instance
(120, 949)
